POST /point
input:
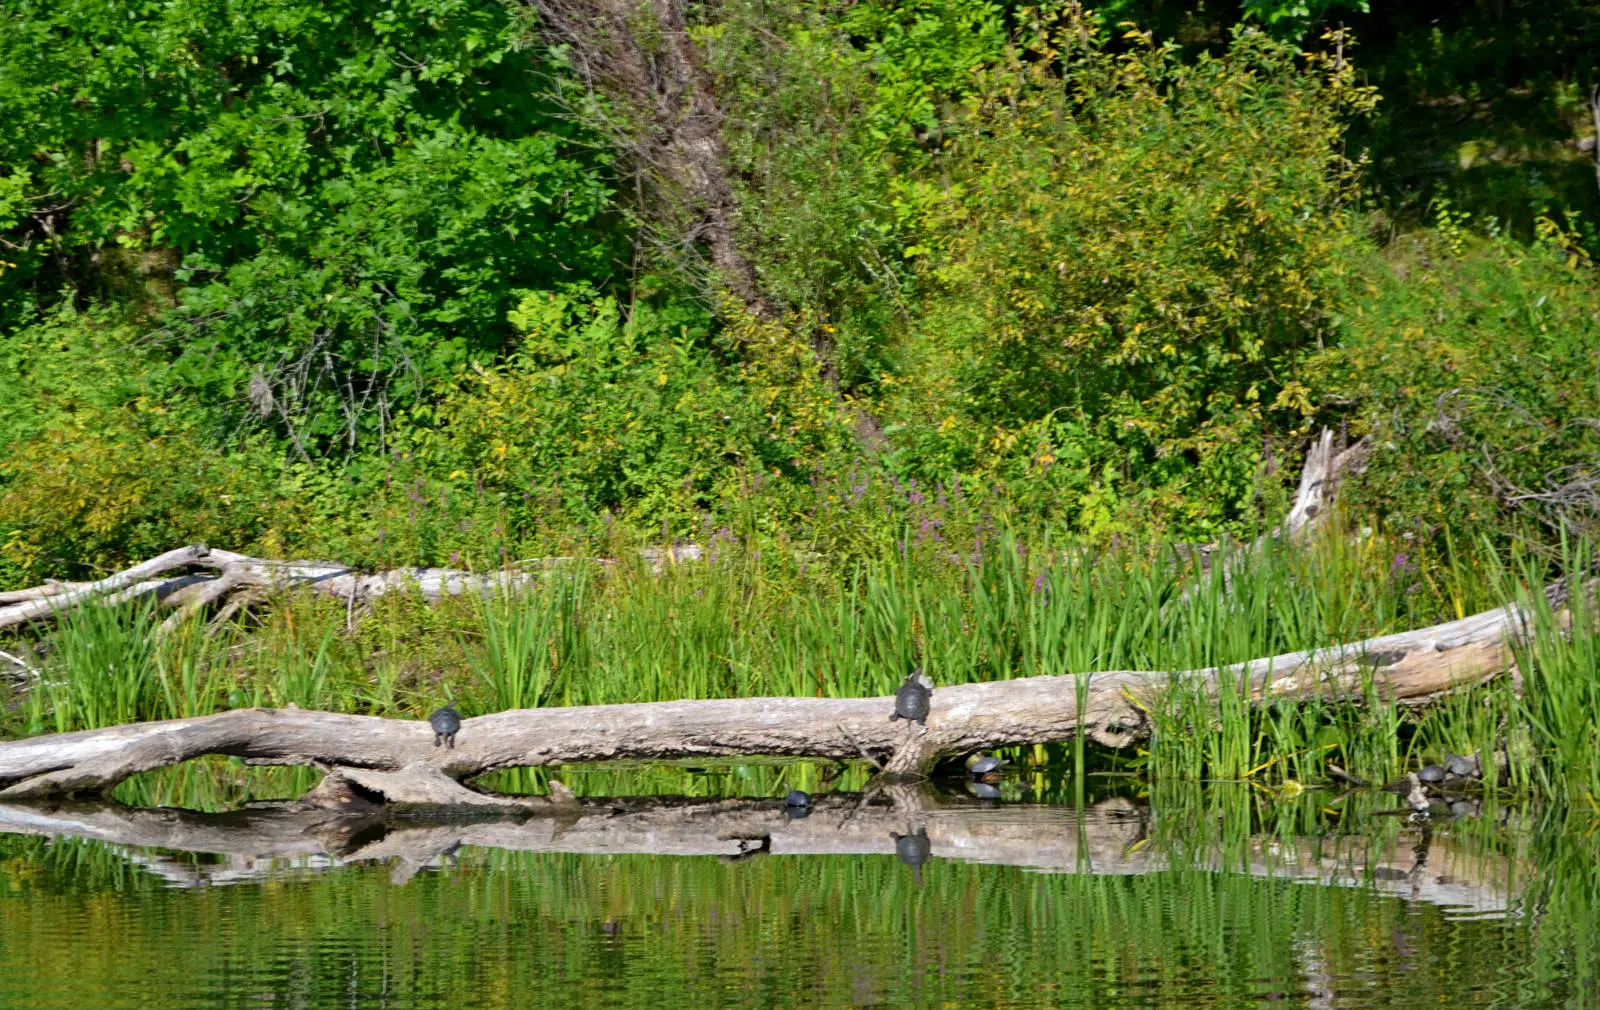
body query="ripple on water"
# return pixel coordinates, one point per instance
(93, 926)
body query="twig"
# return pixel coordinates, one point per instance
(1344, 776)
(874, 762)
(20, 662)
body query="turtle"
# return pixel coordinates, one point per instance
(911, 702)
(1464, 767)
(797, 804)
(984, 767)
(1433, 774)
(913, 850)
(445, 722)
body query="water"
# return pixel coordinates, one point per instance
(1213, 898)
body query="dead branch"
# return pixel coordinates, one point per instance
(225, 575)
(1324, 471)
(229, 573)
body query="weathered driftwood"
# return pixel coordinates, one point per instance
(229, 572)
(1320, 478)
(1324, 470)
(1115, 837)
(167, 579)
(1409, 667)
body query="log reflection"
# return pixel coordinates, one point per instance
(1112, 837)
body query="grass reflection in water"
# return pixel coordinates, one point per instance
(1219, 897)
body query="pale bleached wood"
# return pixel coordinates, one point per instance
(1407, 667)
(48, 607)
(232, 572)
(51, 588)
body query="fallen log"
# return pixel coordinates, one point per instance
(227, 574)
(1409, 667)
(1114, 837)
(234, 572)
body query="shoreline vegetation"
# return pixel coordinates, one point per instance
(807, 347)
(1513, 686)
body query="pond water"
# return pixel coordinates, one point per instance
(1210, 898)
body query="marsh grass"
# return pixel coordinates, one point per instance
(1557, 717)
(785, 624)
(103, 671)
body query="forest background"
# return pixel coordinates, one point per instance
(465, 281)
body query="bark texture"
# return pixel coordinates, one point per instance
(1408, 667)
(637, 56)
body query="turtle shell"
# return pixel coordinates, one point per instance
(911, 701)
(1431, 774)
(986, 766)
(446, 721)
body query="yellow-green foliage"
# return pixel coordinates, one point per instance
(121, 483)
(94, 471)
(596, 412)
(1126, 264)
(1475, 365)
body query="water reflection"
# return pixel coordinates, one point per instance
(913, 849)
(899, 897)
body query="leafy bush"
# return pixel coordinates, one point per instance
(95, 471)
(1473, 364)
(596, 414)
(345, 194)
(1127, 267)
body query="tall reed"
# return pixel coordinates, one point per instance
(102, 671)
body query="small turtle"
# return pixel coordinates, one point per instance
(913, 850)
(1433, 774)
(912, 700)
(445, 722)
(797, 804)
(984, 767)
(1463, 767)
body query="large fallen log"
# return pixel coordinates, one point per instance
(401, 763)
(1114, 837)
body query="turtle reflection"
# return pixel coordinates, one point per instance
(913, 850)
(797, 805)
(984, 790)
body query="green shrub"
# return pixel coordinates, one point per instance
(1473, 364)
